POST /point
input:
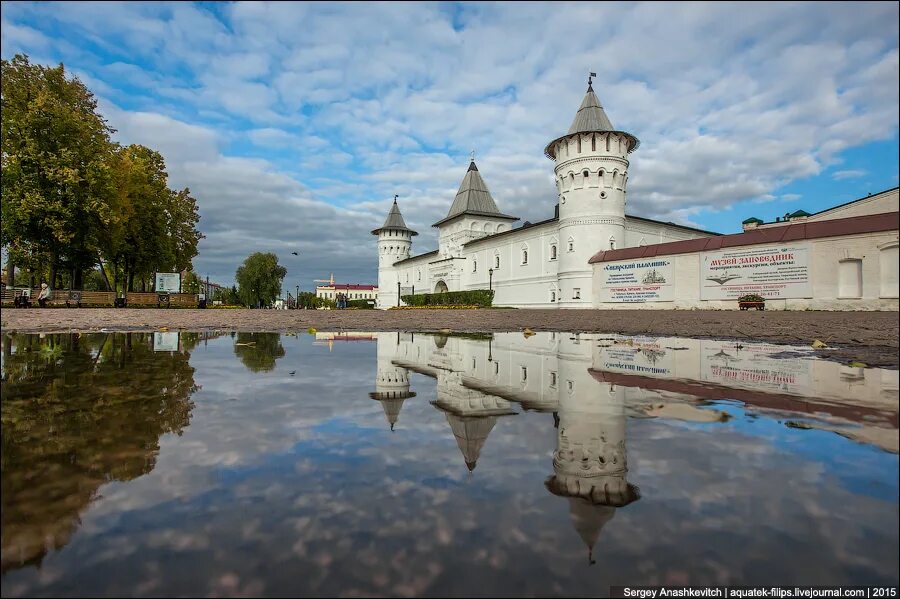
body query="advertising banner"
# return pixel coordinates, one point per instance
(636, 281)
(772, 272)
(168, 282)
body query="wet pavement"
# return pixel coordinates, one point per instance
(409, 464)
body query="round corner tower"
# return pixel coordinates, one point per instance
(591, 175)
(394, 244)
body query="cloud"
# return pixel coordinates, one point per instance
(849, 174)
(258, 106)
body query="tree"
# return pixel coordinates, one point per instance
(55, 171)
(259, 279)
(191, 283)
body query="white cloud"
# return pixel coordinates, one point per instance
(849, 174)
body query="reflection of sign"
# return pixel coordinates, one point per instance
(638, 355)
(168, 282)
(754, 365)
(637, 281)
(772, 272)
(165, 341)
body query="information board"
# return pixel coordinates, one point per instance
(772, 272)
(636, 281)
(168, 282)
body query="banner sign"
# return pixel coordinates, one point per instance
(773, 273)
(638, 281)
(168, 282)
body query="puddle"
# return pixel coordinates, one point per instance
(432, 465)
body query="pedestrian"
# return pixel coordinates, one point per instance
(44, 295)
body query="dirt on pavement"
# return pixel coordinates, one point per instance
(869, 337)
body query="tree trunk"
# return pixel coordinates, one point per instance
(10, 273)
(105, 276)
(78, 282)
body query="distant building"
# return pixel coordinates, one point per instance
(591, 254)
(352, 291)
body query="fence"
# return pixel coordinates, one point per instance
(64, 297)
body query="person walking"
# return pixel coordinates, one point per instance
(44, 295)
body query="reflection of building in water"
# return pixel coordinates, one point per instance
(482, 378)
(391, 382)
(590, 463)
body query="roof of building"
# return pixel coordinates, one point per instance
(868, 197)
(790, 231)
(432, 253)
(591, 118)
(752, 219)
(473, 198)
(348, 287)
(394, 221)
(526, 225)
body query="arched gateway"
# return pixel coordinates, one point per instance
(441, 287)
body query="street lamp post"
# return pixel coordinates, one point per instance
(490, 279)
(297, 299)
(398, 294)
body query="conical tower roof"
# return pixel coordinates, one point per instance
(394, 221)
(471, 434)
(473, 198)
(591, 118)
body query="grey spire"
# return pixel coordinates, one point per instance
(590, 116)
(474, 198)
(394, 221)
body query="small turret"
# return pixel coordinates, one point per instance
(394, 244)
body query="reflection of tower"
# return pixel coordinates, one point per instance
(589, 463)
(391, 382)
(470, 413)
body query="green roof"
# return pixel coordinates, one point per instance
(800, 213)
(752, 219)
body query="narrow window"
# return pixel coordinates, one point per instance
(570, 385)
(612, 243)
(576, 293)
(586, 175)
(607, 143)
(474, 265)
(552, 379)
(571, 245)
(524, 374)
(579, 144)
(552, 297)
(553, 252)
(496, 367)
(593, 143)
(524, 256)
(497, 261)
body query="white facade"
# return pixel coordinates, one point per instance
(353, 292)
(544, 265)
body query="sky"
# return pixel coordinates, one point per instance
(295, 124)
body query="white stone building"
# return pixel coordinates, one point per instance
(540, 265)
(554, 263)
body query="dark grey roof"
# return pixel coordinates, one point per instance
(591, 118)
(473, 198)
(432, 253)
(394, 221)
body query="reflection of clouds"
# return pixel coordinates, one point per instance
(299, 486)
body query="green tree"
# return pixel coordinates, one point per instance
(258, 351)
(259, 279)
(55, 147)
(191, 283)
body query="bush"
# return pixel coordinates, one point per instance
(361, 304)
(751, 298)
(476, 297)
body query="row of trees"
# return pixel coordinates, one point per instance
(75, 204)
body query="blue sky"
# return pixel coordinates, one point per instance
(295, 124)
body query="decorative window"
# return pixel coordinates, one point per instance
(576, 293)
(593, 143)
(552, 379)
(586, 174)
(496, 367)
(570, 385)
(524, 374)
(571, 245)
(496, 261)
(579, 144)
(524, 256)
(850, 278)
(553, 252)
(475, 265)
(552, 296)
(612, 243)
(419, 275)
